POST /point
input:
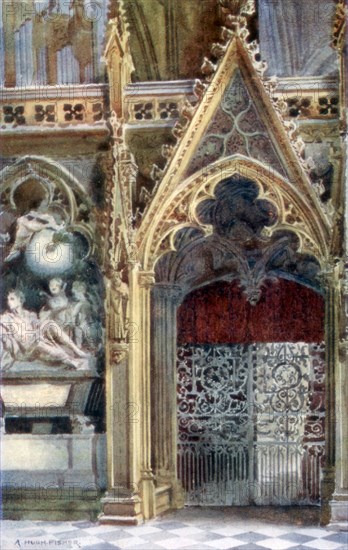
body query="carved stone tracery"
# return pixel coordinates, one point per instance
(239, 246)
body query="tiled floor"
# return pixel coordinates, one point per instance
(191, 528)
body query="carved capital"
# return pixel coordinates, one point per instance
(330, 275)
(146, 279)
(172, 293)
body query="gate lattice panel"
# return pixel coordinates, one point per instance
(251, 423)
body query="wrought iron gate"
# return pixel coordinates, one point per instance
(251, 423)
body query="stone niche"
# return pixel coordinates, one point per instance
(52, 335)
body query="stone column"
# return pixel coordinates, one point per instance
(134, 500)
(141, 360)
(122, 502)
(331, 284)
(339, 502)
(164, 394)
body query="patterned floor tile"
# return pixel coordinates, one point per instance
(187, 531)
(143, 530)
(60, 527)
(226, 543)
(101, 546)
(149, 546)
(156, 537)
(314, 532)
(342, 538)
(112, 536)
(299, 538)
(83, 524)
(229, 531)
(81, 541)
(130, 542)
(30, 532)
(206, 536)
(95, 529)
(276, 544)
(177, 543)
(271, 530)
(322, 544)
(167, 525)
(69, 535)
(251, 537)
(198, 529)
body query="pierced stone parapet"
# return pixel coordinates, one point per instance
(51, 108)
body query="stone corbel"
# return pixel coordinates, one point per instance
(118, 353)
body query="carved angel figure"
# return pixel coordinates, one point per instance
(82, 317)
(31, 223)
(57, 304)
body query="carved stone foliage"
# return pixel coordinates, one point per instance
(236, 128)
(238, 247)
(340, 23)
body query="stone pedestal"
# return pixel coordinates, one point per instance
(64, 461)
(40, 466)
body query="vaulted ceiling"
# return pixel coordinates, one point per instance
(169, 38)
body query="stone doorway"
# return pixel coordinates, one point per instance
(250, 416)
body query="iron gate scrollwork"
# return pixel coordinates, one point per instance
(251, 423)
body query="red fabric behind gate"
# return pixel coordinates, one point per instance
(219, 313)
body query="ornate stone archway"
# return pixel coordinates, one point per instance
(148, 484)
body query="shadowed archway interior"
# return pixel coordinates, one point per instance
(249, 355)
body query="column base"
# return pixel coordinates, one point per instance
(147, 491)
(327, 489)
(339, 512)
(121, 510)
(169, 496)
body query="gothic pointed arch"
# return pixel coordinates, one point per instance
(234, 127)
(292, 211)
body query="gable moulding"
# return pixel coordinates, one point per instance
(297, 185)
